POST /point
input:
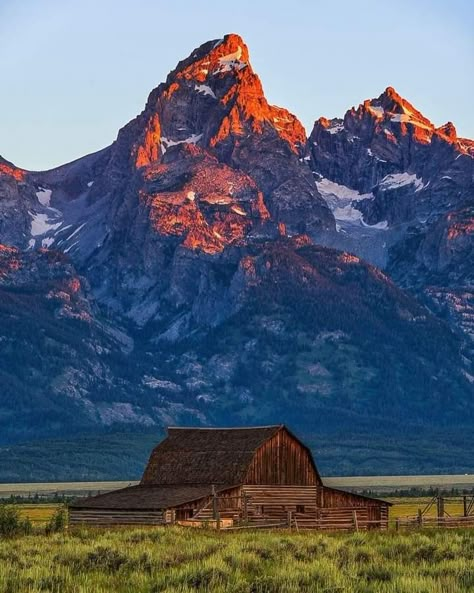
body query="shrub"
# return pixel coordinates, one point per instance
(58, 521)
(11, 522)
(106, 559)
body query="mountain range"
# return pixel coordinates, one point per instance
(215, 265)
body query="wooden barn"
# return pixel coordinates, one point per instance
(232, 477)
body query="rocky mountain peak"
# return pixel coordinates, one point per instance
(213, 98)
(393, 110)
(448, 131)
(222, 56)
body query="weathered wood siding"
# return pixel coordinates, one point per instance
(274, 502)
(103, 517)
(339, 510)
(330, 497)
(229, 505)
(282, 460)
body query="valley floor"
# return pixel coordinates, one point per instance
(182, 560)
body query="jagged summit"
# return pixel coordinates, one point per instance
(392, 117)
(396, 107)
(213, 57)
(213, 99)
(212, 106)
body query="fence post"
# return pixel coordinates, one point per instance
(289, 519)
(440, 509)
(354, 521)
(464, 504)
(215, 510)
(420, 518)
(246, 510)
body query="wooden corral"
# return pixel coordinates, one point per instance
(232, 477)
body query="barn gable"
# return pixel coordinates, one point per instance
(283, 459)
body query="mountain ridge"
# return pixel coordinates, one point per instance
(202, 240)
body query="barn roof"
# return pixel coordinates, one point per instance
(146, 498)
(205, 455)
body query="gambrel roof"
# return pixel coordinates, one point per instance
(205, 455)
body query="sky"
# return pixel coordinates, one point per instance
(73, 72)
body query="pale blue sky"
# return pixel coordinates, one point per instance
(74, 71)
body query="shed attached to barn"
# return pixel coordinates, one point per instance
(252, 476)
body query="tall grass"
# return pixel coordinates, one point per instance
(184, 560)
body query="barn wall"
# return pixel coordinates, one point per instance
(339, 510)
(331, 497)
(229, 505)
(282, 460)
(276, 501)
(105, 517)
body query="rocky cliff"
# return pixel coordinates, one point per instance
(402, 191)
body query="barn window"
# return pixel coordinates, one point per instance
(300, 508)
(183, 514)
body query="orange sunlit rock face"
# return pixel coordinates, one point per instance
(148, 150)
(229, 54)
(243, 101)
(11, 171)
(217, 206)
(460, 228)
(397, 117)
(465, 146)
(447, 132)
(9, 260)
(74, 285)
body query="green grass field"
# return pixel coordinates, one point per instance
(184, 560)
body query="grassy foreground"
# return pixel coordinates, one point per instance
(184, 560)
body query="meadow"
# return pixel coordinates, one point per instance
(184, 560)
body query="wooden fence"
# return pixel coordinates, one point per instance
(418, 522)
(442, 519)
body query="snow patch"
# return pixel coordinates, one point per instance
(41, 224)
(191, 196)
(396, 180)
(406, 118)
(90, 184)
(70, 247)
(335, 128)
(330, 189)
(204, 88)
(44, 196)
(372, 155)
(377, 111)
(167, 142)
(47, 242)
(231, 62)
(76, 231)
(382, 225)
(342, 200)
